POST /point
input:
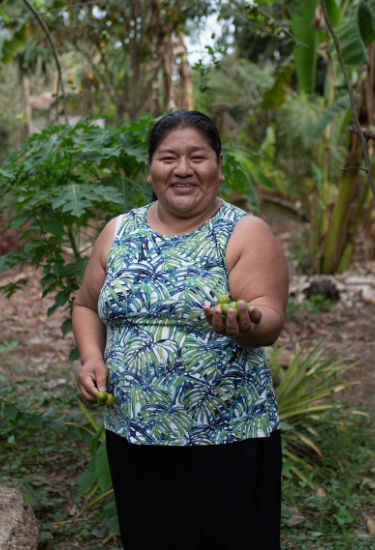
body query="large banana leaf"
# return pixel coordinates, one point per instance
(305, 54)
(366, 21)
(334, 12)
(12, 43)
(352, 42)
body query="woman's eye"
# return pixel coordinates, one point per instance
(197, 158)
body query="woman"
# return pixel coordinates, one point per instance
(193, 436)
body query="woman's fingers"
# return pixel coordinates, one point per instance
(234, 328)
(92, 378)
(208, 314)
(217, 321)
(255, 315)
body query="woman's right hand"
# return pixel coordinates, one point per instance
(92, 378)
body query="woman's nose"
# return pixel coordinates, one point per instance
(183, 167)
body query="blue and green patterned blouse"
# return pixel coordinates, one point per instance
(175, 380)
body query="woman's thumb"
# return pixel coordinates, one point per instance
(101, 380)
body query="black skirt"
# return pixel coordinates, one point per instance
(219, 497)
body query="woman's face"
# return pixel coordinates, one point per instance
(185, 173)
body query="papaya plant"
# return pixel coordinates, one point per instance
(66, 183)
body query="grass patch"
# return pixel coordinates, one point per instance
(337, 520)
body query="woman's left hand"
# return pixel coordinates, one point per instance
(246, 325)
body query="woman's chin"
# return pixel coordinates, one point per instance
(184, 198)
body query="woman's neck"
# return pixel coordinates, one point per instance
(168, 223)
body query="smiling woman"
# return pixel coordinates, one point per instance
(181, 377)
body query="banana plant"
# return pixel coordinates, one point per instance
(333, 234)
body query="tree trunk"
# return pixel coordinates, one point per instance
(339, 244)
(187, 86)
(26, 100)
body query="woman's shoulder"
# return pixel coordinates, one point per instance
(233, 213)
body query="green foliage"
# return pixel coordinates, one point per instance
(72, 179)
(314, 305)
(302, 391)
(305, 54)
(274, 96)
(337, 520)
(351, 42)
(340, 106)
(63, 181)
(334, 12)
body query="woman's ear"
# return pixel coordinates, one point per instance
(221, 175)
(149, 166)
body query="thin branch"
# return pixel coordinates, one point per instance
(352, 101)
(285, 28)
(366, 132)
(281, 25)
(353, 168)
(54, 51)
(76, 4)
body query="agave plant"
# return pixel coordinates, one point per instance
(301, 392)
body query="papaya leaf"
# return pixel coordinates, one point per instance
(66, 327)
(74, 355)
(87, 479)
(102, 468)
(72, 198)
(109, 516)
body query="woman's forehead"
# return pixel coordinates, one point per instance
(184, 139)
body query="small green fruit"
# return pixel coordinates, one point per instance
(233, 305)
(101, 396)
(223, 299)
(109, 400)
(225, 309)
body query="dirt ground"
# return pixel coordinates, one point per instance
(23, 318)
(350, 329)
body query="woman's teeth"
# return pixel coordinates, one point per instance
(182, 185)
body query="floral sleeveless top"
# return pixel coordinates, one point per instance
(175, 380)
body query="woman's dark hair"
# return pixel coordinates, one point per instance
(178, 120)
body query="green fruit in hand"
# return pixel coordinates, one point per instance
(223, 299)
(109, 400)
(225, 309)
(101, 396)
(233, 305)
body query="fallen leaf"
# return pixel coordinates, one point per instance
(370, 526)
(73, 510)
(296, 517)
(63, 358)
(321, 492)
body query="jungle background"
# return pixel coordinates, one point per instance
(81, 84)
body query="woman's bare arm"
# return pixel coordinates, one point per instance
(258, 274)
(89, 331)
